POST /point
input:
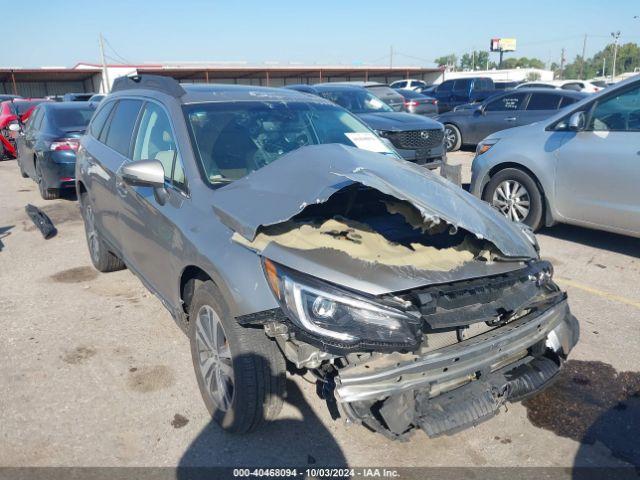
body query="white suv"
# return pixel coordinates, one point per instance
(408, 84)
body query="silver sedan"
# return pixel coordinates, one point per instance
(581, 166)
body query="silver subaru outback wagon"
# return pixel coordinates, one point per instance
(283, 234)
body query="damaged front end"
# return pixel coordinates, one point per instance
(415, 304)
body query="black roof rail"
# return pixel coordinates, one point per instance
(161, 83)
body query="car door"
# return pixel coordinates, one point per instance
(598, 169)
(539, 106)
(496, 114)
(443, 94)
(147, 222)
(26, 142)
(461, 92)
(103, 160)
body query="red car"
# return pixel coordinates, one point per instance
(11, 111)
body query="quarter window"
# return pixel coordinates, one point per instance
(123, 121)
(99, 119)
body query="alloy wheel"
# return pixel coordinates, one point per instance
(512, 199)
(450, 138)
(214, 357)
(92, 234)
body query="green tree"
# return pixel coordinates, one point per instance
(474, 60)
(628, 59)
(447, 60)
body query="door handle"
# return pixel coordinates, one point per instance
(510, 119)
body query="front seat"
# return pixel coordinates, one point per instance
(233, 152)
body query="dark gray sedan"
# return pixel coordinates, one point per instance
(418, 103)
(469, 124)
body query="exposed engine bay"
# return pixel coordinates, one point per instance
(406, 318)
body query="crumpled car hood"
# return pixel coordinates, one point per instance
(282, 189)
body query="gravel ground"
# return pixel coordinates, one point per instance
(94, 372)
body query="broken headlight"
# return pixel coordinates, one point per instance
(338, 315)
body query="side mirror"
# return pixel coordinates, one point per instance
(14, 127)
(143, 173)
(479, 110)
(577, 121)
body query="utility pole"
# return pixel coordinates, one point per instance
(391, 56)
(473, 59)
(105, 77)
(604, 67)
(616, 36)
(562, 63)
(584, 48)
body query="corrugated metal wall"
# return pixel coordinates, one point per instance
(42, 89)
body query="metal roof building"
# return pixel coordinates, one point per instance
(87, 77)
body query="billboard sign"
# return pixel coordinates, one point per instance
(503, 45)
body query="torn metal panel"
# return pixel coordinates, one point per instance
(312, 174)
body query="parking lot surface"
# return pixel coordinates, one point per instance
(94, 372)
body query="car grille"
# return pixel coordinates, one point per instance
(414, 139)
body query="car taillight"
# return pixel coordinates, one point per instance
(411, 103)
(65, 144)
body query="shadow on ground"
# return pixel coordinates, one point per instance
(596, 238)
(285, 442)
(592, 403)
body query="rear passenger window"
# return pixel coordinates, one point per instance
(543, 101)
(99, 119)
(567, 101)
(445, 86)
(155, 141)
(122, 123)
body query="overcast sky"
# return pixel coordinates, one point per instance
(61, 33)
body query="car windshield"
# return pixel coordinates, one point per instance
(234, 139)
(72, 118)
(20, 108)
(357, 100)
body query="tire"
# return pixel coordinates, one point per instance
(22, 172)
(45, 192)
(248, 364)
(103, 259)
(526, 200)
(452, 137)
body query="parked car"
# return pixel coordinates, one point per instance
(419, 104)
(506, 85)
(6, 96)
(409, 84)
(417, 138)
(385, 93)
(580, 166)
(47, 146)
(452, 93)
(268, 236)
(538, 84)
(13, 111)
(77, 97)
(469, 124)
(575, 85)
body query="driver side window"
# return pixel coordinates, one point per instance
(619, 113)
(155, 141)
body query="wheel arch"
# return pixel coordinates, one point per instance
(191, 277)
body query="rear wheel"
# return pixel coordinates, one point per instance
(452, 138)
(516, 195)
(45, 192)
(103, 260)
(240, 371)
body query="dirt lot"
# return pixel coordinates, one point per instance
(94, 372)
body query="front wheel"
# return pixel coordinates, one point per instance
(515, 194)
(240, 371)
(452, 138)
